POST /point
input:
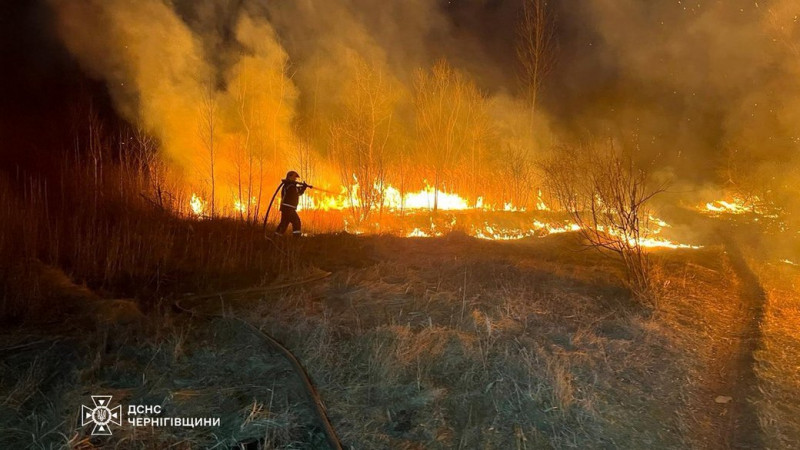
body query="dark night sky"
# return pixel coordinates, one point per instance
(40, 83)
(32, 80)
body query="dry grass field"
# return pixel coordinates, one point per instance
(449, 342)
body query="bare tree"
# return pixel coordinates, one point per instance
(307, 164)
(269, 115)
(520, 172)
(450, 119)
(246, 141)
(535, 48)
(480, 129)
(152, 166)
(97, 147)
(208, 134)
(360, 138)
(607, 196)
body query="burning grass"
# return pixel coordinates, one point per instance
(736, 209)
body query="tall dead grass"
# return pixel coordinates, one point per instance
(104, 229)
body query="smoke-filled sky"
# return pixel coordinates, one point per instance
(703, 88)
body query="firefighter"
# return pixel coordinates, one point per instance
(290, 196)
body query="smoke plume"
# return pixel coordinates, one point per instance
(706, 91)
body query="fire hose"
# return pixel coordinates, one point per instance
(313, 395)
(266, 216)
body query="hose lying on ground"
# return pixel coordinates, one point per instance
(311, 391)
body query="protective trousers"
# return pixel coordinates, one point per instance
(289, 216)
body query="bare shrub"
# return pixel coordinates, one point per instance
(607, 194)
(451, 120)
(361, 138)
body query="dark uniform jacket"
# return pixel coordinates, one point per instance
(290, 194)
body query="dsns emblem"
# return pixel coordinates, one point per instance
(101, 415)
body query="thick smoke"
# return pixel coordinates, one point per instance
(707, 90)
(152, 62)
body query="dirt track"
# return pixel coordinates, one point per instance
(724, 405)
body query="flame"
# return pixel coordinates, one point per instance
(324, 202)
(660, 224)
(664, 243)
(541, 229)
(500, 234)
(551, 229)
(424, 199)
(198, 205)
(651, 242)
(540, 204)
(510, 207)
(416, 232)
(736, 206)
(756, 209)
(390, 198)
(419, 202)
(394, 200)
(242, 206)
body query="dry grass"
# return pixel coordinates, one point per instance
(413, 343)
(456, 343)
(701, 305)
(778, 358)
(115, 242)
(214, 370)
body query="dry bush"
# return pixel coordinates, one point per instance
(450, 116)
(607, 196)
(361, 138)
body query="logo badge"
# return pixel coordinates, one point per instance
(101, 415)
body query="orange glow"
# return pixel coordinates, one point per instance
(392, 199)
(755, 206)
(242, 206)
(198, 205)
(736, 206)
(421, 200)
(499, 222)
(540, 229)
(540, 204)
